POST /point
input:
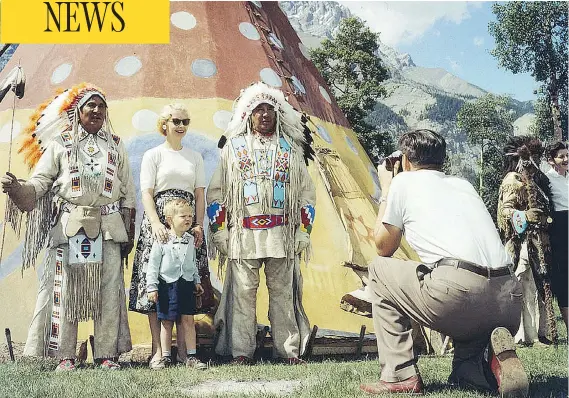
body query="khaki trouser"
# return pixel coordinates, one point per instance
(112, 334)
(238, 312)
(455, 302)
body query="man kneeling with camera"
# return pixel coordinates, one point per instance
(463, 286)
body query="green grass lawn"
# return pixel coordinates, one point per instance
(547, 368)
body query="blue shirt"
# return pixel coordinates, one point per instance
(171, 261)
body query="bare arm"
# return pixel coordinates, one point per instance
(387, 237)
(149, 206)
(200, 205)
(158, 229)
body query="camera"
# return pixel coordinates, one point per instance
(390, 161)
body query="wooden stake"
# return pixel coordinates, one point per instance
(361, 341)
(92, 344)
(310, 344)
(260, 338)
(9, 344)
(82, 354)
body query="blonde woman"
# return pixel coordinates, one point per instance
(168, 171)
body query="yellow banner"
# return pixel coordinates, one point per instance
(85, 22)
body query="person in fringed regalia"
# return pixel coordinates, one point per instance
(261, 210)
(81, 203)
(524, 208)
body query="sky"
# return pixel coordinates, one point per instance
(452, 35)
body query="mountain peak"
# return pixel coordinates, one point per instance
(322, 18)
(316, 18)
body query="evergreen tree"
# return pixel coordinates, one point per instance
(488, 123)
(532, 37)
(351, 67)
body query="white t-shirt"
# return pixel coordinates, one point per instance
(443, 216)
(163, 168)
(559, 189)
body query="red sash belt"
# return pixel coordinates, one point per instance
(264, 221)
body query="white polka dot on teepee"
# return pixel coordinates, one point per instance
(61, 73)
(325, 94)
(221, 119)
(304, 50)
(145, 120)
(204, 68)
(270, 77)
(248, 30)
(323, 133)
(351, 145)
(183, 20)
(128, 66)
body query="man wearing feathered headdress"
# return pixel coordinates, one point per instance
(261, 209)
(80, 198)
(524, 209)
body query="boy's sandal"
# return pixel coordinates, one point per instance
(107, 364)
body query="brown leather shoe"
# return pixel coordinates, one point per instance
(412, 385)
(512, 379)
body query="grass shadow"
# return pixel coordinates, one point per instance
(549, 387)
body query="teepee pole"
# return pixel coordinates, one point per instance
(12, 218)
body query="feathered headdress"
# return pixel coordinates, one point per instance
(55, 116)
(290, 123)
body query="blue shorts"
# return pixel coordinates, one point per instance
(175, 299)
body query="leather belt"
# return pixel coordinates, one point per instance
(473, 267)
(105, 209)
(264, 221)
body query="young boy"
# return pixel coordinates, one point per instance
(173, 281)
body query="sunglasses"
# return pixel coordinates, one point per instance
(178, 122)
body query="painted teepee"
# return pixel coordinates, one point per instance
(215, 50)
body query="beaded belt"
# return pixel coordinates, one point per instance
(264, 221)
(105, 209)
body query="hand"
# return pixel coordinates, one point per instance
(301, 241)
(198, 235)
(221, 241)
(386, 176)
(534, 215)
(159, 232)
(199, 289)
(10, 183)
(153, 296)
